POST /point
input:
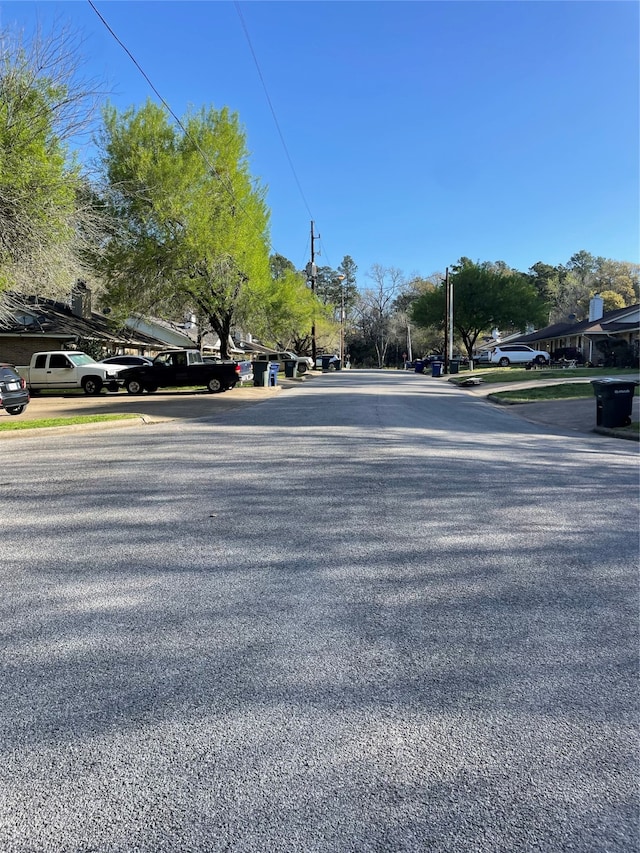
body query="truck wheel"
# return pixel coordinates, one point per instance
(134, 386)
(14, 410)
(92, 385)
(214, 385)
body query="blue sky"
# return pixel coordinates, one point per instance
(419, 132)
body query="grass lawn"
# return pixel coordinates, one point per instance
(560, 391)
(500, 375)
(564, 391)
(11, 424)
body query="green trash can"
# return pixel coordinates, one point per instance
(454, 366)
(614, 401)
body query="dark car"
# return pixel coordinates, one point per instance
(130, 360)
(14, 395)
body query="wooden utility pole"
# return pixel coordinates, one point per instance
(313, 275)
(446, 321)
(449, 354)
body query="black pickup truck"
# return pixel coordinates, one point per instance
(182, 369)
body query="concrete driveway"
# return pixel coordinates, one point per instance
(169, 405)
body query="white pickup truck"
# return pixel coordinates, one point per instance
(70, 369)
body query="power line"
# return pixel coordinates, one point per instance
(194, 142)
(271, 107)
(273, 112)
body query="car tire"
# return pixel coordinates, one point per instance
(92, 385)
(134, 386)
(301, 368)
(504, 362)
(151, 389)
(540, 359)
(214, 385)
(15, 410)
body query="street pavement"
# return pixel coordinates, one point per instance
(574, 414)
(368, 613)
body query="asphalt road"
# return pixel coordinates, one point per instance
(370, 613)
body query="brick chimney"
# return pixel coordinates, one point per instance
(81, 300)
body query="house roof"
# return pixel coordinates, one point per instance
(34, 316)
(610, 323)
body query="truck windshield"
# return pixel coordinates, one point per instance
(80, 358)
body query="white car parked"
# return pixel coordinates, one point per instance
(517, 354)
(303, 362)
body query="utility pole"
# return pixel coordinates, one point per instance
(449, 356)
(312, 275)
(446, 321)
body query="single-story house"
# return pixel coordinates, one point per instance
(32, 324)
(623, 324)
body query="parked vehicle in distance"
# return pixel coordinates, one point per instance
(127, 360)
(303, 362)
(568, 354)
(70, 369)
(14, 395)
(184, 368)
(331, 362)
(508, 354)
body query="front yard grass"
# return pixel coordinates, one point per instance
(10, 424)
(493, 375)
(563, 391)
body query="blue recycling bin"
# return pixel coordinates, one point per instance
(274, 367)
(436, 368)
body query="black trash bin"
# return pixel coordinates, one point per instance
(454, 366)
(614, 401)
(330, 362)
(290, 368)
(260, 374)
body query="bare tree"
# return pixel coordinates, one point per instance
(375, 308)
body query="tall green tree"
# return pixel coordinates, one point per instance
(44, 222)
(483, 298)
(288, 308)
(193, 224)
